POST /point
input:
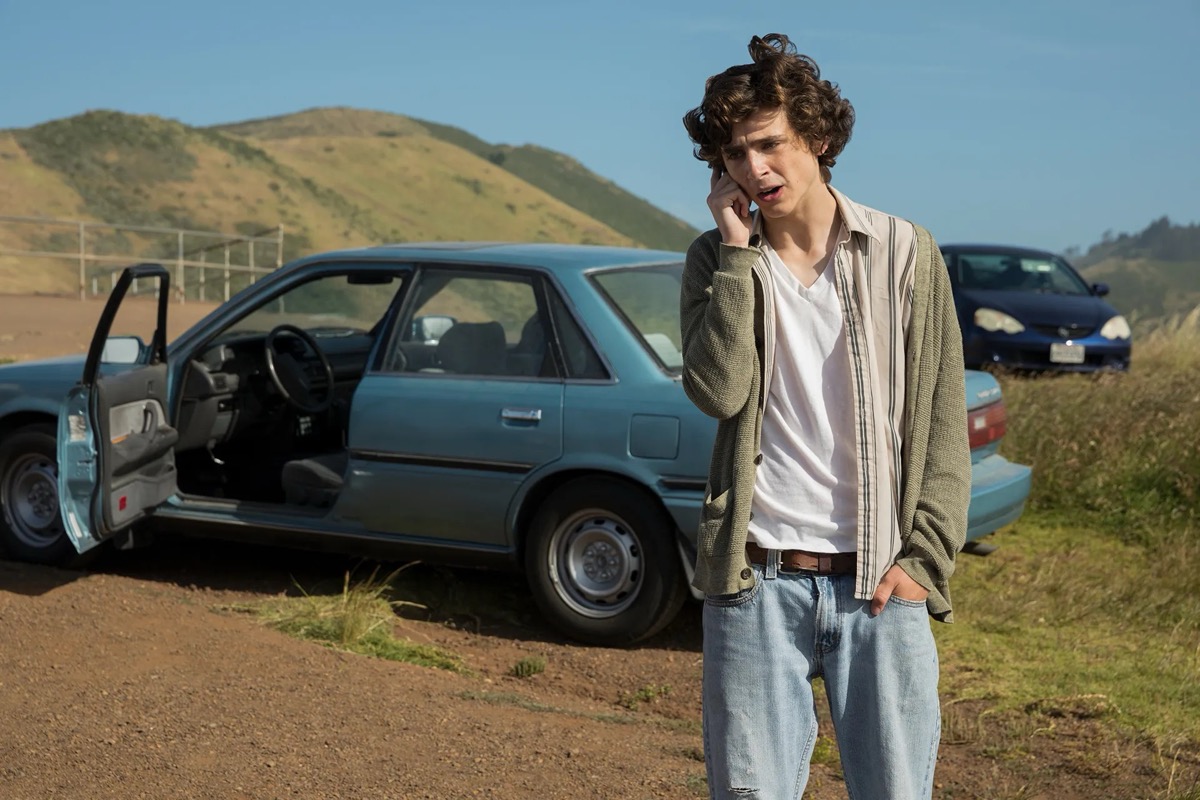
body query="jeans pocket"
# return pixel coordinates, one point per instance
(900, 601)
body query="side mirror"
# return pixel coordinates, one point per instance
(431, 328)
(1099, 289)
(122, 350)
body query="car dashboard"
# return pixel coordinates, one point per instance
(227, 390)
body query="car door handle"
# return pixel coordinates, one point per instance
(521, 414)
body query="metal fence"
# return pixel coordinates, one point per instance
(200, 258)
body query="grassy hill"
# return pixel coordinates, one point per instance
(1154, 273)
(1148, 289)
(555, 173)
(332, 177)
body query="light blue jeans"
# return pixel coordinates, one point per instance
(762, 649)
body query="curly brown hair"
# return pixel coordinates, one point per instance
(779, 77)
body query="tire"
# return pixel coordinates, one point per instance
(602, 564)
(31, 527)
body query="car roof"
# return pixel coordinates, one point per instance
(997, 249)
(554, 257)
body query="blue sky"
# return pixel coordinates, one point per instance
(1035, 122)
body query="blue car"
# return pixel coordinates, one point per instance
(494, 404)
(1030, 310)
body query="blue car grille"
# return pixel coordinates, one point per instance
(1065, 331)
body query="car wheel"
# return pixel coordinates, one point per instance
(31, 528)
(602, 564)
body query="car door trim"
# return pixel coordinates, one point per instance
(682, 484)
(509, 467)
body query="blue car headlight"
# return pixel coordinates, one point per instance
(1116, 328)
(992, 320)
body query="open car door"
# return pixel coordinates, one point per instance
(116, 451)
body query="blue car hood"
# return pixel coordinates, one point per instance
(1043, 308)
(63, 369)
(38, 385)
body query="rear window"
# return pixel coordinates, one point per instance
(647, 298)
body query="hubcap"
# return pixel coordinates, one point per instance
(596, 563)
(29, 495)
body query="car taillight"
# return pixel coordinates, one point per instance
(986, 425)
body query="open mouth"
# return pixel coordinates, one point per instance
(770, 195)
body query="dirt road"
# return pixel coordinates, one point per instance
(42, 327)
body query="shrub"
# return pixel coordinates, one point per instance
(528, 667)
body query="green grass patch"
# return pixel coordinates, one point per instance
(1063, 621)
(1090, 609)
(825, 751)
(358, 620)
(650, 693)
(7, 360)
(697, 785)
(528, 667)
(514, 700)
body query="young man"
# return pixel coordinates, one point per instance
(822, 334)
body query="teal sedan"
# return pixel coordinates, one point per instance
(490, 404)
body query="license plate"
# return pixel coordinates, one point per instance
(1066, 353)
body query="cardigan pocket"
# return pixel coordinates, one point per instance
(737, 598)
(712, 520)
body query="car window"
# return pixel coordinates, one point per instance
(332, 304)
(647, 298)
(472, 323)
(579, 357)
(1016, 273)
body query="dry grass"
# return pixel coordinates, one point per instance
(1118, 447)
(359, 620)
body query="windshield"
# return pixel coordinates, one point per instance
(1016, 273)
(648, 300)
(330, 305)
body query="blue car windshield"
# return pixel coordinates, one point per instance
(647, 298)
(1016, 273)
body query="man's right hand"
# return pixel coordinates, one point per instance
(730, 208)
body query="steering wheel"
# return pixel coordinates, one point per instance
(300, 384)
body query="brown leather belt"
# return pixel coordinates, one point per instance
(804, 561)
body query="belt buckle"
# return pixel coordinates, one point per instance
(824, 564)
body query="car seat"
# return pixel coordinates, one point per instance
(473, 348)
(315, 481)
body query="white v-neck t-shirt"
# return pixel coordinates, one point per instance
(806, 492)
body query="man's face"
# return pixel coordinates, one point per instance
(771, 164)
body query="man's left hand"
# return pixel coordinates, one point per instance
(897, 582)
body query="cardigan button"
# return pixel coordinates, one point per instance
(746, 574)
(758, 459)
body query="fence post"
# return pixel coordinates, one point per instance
(203, 260)
(82, 261)
(226, 271)
(179, 268)
(250, 241)
(279, 249)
